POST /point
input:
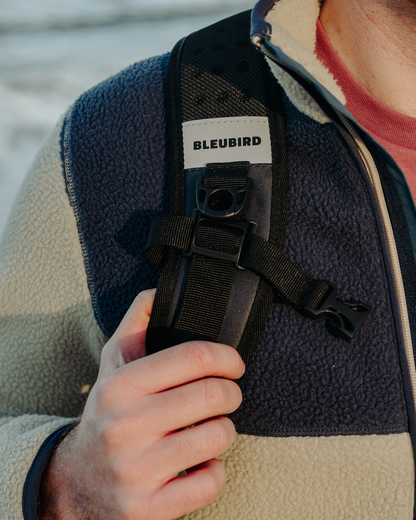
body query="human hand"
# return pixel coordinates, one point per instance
(123, 459)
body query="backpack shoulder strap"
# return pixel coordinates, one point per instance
(221, 247)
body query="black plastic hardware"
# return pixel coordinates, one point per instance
(347, 317)
(221, 202)
(221, 255)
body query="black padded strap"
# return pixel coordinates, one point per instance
(258, 255)
(210, 280)
(158, 329)
(215, 73)
(205, 300)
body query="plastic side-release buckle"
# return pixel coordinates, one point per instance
(347, 317)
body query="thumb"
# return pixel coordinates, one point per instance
(128, 343)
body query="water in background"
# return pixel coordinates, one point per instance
(53, 50)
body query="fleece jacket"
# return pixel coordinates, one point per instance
(326, 428)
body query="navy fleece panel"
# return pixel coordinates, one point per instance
(117, 162)
(303, 380)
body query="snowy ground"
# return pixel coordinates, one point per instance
(52, 50)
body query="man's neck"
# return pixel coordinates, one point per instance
(376, 39)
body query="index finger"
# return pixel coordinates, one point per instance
(182, 364)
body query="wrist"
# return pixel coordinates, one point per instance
(56, 500)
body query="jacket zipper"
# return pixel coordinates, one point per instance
(394, 257)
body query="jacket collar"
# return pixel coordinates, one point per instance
(286, 32)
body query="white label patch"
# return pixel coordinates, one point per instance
(227, 139)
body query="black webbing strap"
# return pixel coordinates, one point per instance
(226, 176)
(290, 281)
(169, 231)
(205, 300)
(210, 280)
(258, 255)
(317, 298)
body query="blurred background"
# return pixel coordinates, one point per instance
(53, 50)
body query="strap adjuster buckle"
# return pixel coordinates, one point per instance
(243, 227)
(347, 317)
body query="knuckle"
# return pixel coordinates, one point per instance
(107, 436)
(111, 434)
(208, 489)
(116, 358)
(112, 355)
(107, 350)
(119, 471)
(215, 394)
(183, 450)
(201, 355)
(218, 438)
